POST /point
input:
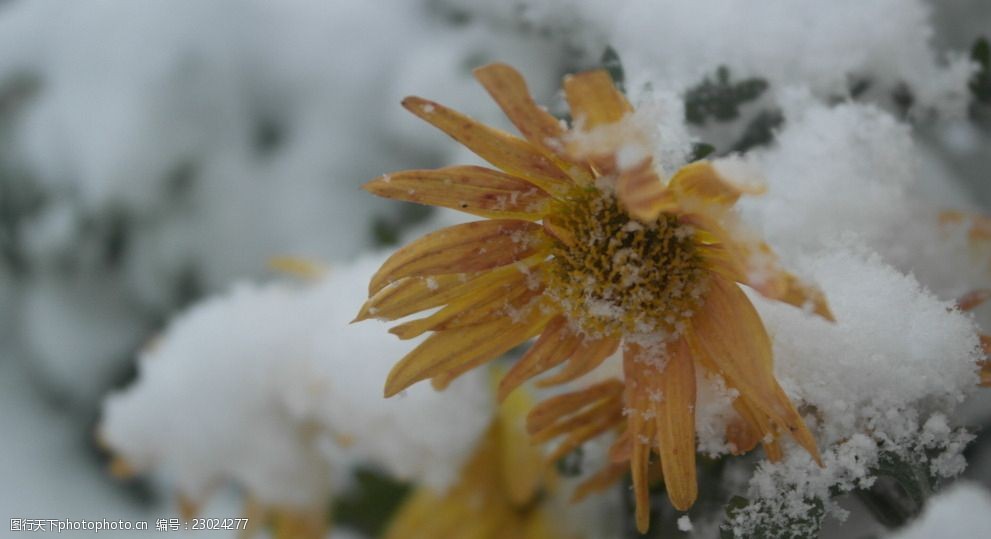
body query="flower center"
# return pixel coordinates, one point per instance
(613, 274)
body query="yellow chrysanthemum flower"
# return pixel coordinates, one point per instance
(588, 248)
(501, 490)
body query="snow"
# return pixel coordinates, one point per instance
(963, 510)
(270, 388)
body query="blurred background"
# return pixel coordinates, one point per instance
(154, 152)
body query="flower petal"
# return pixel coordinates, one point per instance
(492, 291)
(543, 130)
(676, 426)
(589, 355)
(473, 345)
(475, 190)
(468, 247)
(728, 333)
(411, 295)
(549, 411)
(511, 154)
(973, 299)
(640, 370)
(640, 191)
(754, 263)
(594, 99)
(700, 180)
(522, 464)
(555, 344)
(788, 288)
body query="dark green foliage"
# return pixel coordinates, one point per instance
(611, 63)
(570, 465)
(901, 488)
(980, 83)
(371, 503)
(720, 98)
(701, 150)
(760, 130)
(20, 199)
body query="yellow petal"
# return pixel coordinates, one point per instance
(676, 426)
(728, 333)
(511, 154)
(640, 373)
(621, 449)
(754, 264)
(594, 100)
(472, 345)
(475, 190)
(522, 464)
(554, 346)
(596, 425)
(468, 247)
(544, 131)
(493, 291)
(411, 295)
(539, 525)
(603, 414)
(552, 409)
(787, 288)
(700, 180)
(973, 299)
(589, 355)
(641, 192)
(298, 267)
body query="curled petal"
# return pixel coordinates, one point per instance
(464, 248)
(754, 264)
(552, 409)
(555, 344)
(729, 335)
(475, 190)
(700, 180)
(641, 192)
(473, 345)
(787, 288)
(511, 154)
(589, 355)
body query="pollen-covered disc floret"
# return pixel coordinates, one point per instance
(615, 275)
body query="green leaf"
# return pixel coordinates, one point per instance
(901, 489)
(370, 504)
(610, 62)
(570, 465)
(720, 98)
(760, 130)
(701, 150)
(980, 82)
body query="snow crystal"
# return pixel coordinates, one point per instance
(685, 523)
